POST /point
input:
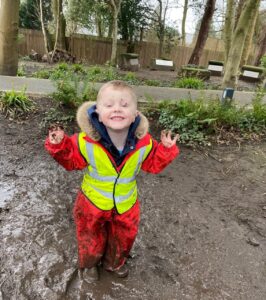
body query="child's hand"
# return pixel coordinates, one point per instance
(56, 134)
(167, 140)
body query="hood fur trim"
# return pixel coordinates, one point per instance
(86, 125)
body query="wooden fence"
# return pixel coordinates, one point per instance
(93, 50)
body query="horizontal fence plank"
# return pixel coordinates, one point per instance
(94, 50)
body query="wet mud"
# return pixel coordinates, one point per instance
(202, 234)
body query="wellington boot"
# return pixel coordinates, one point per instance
(122, 272)
(89, 275)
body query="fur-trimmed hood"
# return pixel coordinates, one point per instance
(85, 123)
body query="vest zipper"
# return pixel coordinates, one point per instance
(114, 192)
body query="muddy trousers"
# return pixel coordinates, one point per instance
(104, 236)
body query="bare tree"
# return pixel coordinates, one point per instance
(161, 24)
(250, 34)
(239, 8)
(238, 40)
(203, 32)
(60, 32)
(9, 18)
(228, 27)
(44, 31)
(185, 9)
(115, 7)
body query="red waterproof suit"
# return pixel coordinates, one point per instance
(106, 235)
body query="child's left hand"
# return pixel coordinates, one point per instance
(167, 140)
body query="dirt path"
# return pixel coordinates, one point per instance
(202, 234)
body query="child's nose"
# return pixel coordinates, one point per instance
(117, 107)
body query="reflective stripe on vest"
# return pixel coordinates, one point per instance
(103, 184)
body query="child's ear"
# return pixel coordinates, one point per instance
(137, 113)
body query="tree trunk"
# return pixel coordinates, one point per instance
(262, 49)
(203, 32)
(9, 18)
(98, 20)
(115, 5)
(236, 49)
(141, 34)
(44, 32)
(161, 42)
(184, 22)
(60, 22)
(161, 21)
(238, 11)
(250, 34)
(114, 40)
(228, 28)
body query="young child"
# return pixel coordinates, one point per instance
(113, 146)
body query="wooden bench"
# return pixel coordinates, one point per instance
(194, 71)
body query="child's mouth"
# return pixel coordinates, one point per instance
(117, 118)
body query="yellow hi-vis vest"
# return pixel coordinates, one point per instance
(103, 184)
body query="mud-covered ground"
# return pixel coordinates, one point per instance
(202, 234)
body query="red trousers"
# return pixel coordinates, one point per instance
(104, 235)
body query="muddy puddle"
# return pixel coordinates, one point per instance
(202, 234)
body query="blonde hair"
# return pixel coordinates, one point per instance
(117, 85)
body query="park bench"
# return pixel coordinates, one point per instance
(129, 62)
(216, 67)
(252, 73)
(162, 64)
(194, 71)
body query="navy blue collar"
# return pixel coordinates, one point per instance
(106, 140)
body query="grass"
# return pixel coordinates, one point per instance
(15, 104)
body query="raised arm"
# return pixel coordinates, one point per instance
(64, 149)
(162, 153)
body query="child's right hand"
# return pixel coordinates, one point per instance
(56, 134)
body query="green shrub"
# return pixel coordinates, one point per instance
(131, 78)
(15, 104)
(87, 92)
(102, 74)
(78, 68)
(259, 108)
(21, 71)
(56, 116)
(197, 120)
(60, 72)
(263, 61)
(43, 74)
(66, 93)
(63, 67)
(189, 83)
(71, 92)
(152, 82)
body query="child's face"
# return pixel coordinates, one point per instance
(116, 108)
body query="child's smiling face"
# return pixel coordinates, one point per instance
(116, 107)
